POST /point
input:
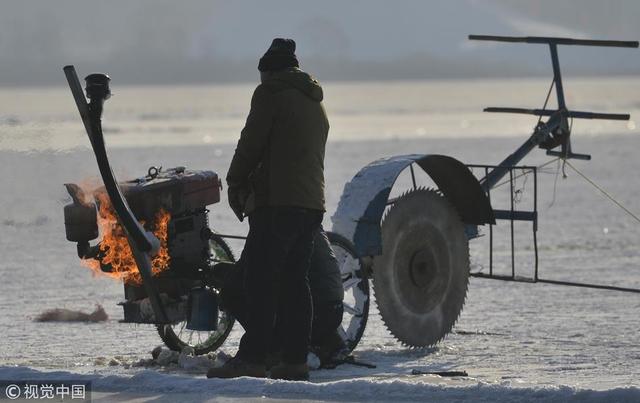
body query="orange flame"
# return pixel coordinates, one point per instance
(115, 250)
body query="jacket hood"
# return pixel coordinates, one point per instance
(298, 79)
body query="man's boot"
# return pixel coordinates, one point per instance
(235, 368)
(332, 350)
(273, 359)
(290, 372)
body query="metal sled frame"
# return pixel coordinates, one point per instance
(512, 215)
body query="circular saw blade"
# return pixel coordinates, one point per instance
(421, 278)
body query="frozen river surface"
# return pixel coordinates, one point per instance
(516, 341)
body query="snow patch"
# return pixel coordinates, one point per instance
(353, 389)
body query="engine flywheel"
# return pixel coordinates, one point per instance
(421, 278)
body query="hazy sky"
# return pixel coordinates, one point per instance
(164, 41)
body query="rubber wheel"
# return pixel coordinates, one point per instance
(356, 290)
(177, 336)
(421, 278)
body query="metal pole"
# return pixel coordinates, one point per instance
(413, 177)
(557, 77)
(513, 252)
(486, 172)
(535, 221)
(231, 236)
(491, 179)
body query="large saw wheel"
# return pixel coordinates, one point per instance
(420, 280)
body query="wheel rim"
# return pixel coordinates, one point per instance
(201, 341)
(356, 296)
(205, 341)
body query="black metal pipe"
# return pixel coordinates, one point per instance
(556, 41)
(554, 282)
(512, 160)
(231, 236)
(486, 173)
(413, 177)
(513, 246)
(587, 285)
(557, 77)
(535, 222)
(549, 112)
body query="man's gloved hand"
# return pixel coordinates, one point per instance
(237, 196)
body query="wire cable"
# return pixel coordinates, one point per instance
(526, 172)
(604, 192)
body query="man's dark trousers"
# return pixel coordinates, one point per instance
(278, 252)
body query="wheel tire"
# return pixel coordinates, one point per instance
(421, 278)
(356, 288)
(220, 252)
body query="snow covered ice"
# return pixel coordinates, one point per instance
(517, 342)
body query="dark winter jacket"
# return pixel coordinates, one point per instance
(279, 159)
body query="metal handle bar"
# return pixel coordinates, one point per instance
(555, 41)
(568, 155)
(570, 114)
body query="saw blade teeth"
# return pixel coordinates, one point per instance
(409, 193)
(406, 344)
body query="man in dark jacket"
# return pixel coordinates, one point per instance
(327, 293)
(276, 178)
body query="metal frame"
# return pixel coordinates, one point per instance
(513, 215)
(553, 132)
(557, 124)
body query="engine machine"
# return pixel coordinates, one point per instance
(168, 208)
(182, 195)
